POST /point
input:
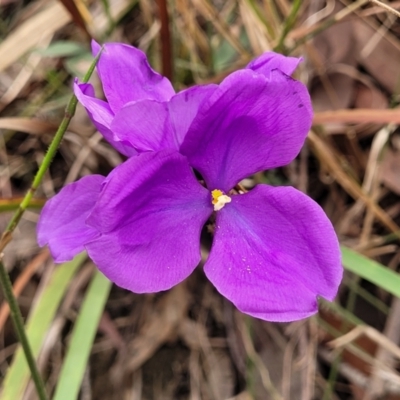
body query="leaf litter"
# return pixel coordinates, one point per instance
(189, 343)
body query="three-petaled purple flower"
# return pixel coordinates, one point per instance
(274, 250)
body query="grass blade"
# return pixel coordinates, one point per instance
(82, 339)
(372, 271)
(38, 324)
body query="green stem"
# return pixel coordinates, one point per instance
(289, 22)
(5, 281)
(16, 316)
(55, 143)
(13, 204)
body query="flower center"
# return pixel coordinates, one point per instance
(219, 199)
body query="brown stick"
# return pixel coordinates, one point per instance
(165, 39)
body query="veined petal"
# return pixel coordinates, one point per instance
(127, 76)
(269, 61)
(184, 106)
(274, 252)
(101, 115)
(62, 221)
(250, 124)
(150, 125)
(145, 125)
(150, 214)
(99, 111)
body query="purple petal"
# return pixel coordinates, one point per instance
(250, 124)
(101, 115)
(273, 253)
(127, 76)
(149, 125)
(150, 213)
(146, 126)
(269, 61)
(184, 106)
(62, 221)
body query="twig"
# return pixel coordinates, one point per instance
(166, 51)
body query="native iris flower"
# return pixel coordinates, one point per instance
(131, 86)
(274, 251)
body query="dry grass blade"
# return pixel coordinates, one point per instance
(79, 14)
(358, 116)
(256, 359)
(25, 74)
(386, 7)
(161, 324)
(223, 28)
(302, 34)
(371, 333)
(31, 33)
(257, 32)
(376, 387)
(326, 156)
(37, 126)
(371, 181)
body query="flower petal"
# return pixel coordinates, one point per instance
(127, 76)
(250, 124)
(149, 125)
(273, 253)
(150, 213)
(269, 61)
(101, 115)
(145, 125)
(184, 106)
(62, 221)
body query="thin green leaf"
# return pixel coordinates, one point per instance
(83, 335)
(17, 377)
(372, 271)
(62, 48)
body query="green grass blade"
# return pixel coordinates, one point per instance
(83, 335)
(372, 271)
(39, 321)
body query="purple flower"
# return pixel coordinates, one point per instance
(137, 97)
(127, 78)
(274, 250)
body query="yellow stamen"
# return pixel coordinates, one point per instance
(219, 199)
(215, 195)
